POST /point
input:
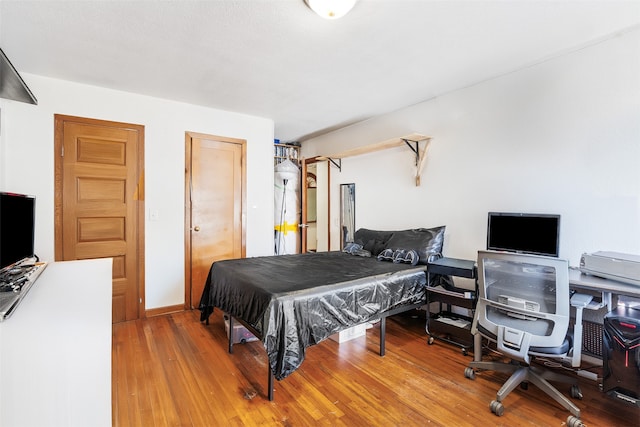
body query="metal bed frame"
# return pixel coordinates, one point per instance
(383, 330)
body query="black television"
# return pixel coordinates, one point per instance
(17, 228)
(527, 233)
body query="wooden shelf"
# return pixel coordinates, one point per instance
(408, 140)
(283, 151)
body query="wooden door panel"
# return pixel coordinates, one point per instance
(216, 207)
(101, 250)
(110, 149)
(102, 190)
(100, 167)
(101, 229)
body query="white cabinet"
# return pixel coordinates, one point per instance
(55, 350)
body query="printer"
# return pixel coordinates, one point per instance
(612, 265)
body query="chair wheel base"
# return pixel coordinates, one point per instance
(496, 407)
(574, 422)
(470, 373)
(576, 393)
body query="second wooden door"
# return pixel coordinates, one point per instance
(215, 207)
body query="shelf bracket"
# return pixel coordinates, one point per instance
(337, 164)
(414, 149)
(420, 155)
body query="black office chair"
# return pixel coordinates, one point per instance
(524, 308)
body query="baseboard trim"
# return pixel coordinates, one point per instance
(159, 311)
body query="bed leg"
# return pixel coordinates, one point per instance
(230, 334)
(270, 383)
(383, 331)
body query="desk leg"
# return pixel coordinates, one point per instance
(230, 334)
(383, 331)
(270, 382)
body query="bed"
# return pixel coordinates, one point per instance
(291, 302)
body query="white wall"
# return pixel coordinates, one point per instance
(560, 137)
(27, 159)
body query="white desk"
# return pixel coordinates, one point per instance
(55, 350)
(580, 281)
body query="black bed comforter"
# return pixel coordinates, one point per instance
(295, 301)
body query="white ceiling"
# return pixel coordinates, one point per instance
(277, 59)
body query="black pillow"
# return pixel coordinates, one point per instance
(373, 241)
(427, 242)
(374, 246)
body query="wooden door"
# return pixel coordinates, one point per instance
(304, 222)
(99, 203)
(323, 205)
(215, 204)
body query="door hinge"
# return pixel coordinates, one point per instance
(62, 151)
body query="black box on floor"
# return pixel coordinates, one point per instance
(621, 354)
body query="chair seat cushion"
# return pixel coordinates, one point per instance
(567, 344)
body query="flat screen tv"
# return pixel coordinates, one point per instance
(17, 228)
(526, 233)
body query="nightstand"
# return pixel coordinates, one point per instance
(446, 325)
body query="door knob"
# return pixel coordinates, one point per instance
(196, 228)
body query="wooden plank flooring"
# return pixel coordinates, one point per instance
(174, 371)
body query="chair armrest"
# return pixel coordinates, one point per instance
(581, 300)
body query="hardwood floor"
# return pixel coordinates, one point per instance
(174, 371)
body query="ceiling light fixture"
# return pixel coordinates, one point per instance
(330, 9)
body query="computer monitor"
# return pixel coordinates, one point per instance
(526, 233)
(17, 228)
